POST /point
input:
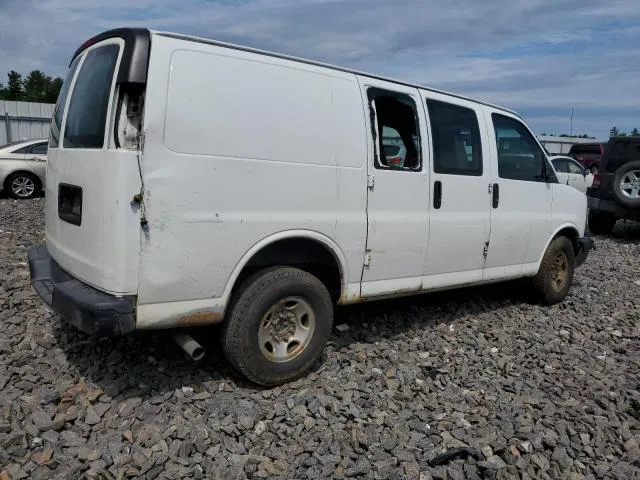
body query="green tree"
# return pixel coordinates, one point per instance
(53, 90)
(35, 86)
(614, 132)
(635, 133)
(15, 86)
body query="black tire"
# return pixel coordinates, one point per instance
(23, 177)
(545, 282)
(253, 301)
(601, 223)
(623, 198)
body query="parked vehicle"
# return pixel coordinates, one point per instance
(588, 154)
(615, 193)
(23, 166)
(181, 221)
(570, 172)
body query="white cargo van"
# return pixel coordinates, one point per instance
(193, 182)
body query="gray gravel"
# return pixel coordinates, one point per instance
(522, 391)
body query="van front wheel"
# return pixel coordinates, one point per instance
(278, 326)
(555, 276)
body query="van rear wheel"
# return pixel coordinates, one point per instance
(555, 276)
(279, 324)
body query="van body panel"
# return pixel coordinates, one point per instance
(230, 178)
(397, 206)
(460, 228)
(521, 223)
(100, 246)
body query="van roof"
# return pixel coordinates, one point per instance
(208, 41)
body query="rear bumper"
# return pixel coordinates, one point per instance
(612, 207)
(89, 310)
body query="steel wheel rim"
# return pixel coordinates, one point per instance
(559, 272)
(286, 329)
(23, 186)
(630, 184)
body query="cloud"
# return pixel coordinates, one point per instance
(526, 55)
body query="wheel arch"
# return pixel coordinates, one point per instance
(271, 251)
(24, 171)
(569, 230)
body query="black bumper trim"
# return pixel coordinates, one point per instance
(86, 308)
(611, 206)
(585, 245)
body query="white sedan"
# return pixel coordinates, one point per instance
(23, 166)
(571, 173)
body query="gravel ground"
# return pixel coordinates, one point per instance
(509, 389)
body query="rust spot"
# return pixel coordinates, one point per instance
(200, 318)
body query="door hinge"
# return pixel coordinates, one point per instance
(371, 180)
(367, 259)
(485, 250)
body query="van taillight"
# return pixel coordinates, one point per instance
(596, 180)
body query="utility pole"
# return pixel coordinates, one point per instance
(571, 131)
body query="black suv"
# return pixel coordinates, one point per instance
(615, 193)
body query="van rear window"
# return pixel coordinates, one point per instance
(87, 116)
(58, 111)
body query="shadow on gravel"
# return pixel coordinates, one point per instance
(425, 311)
(150, 364)
(626, 232)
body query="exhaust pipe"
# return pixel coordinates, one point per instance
(190, 345)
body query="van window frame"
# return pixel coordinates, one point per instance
(375, 92)
(430, 103)
(110, 104)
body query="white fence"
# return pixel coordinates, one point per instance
(24, 120)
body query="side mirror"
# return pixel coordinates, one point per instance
(584, 172)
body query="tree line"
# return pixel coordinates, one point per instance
(36, 87)
(564, 135)
(614, 132)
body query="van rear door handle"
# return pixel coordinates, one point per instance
(496, 195)
(437, 194)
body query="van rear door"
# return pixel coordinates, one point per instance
(92, 231)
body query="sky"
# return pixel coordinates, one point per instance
(539, 57)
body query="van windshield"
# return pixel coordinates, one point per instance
(87, 116)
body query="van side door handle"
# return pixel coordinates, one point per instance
(437, 194)
(496, 195)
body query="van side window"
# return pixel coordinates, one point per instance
(457, 148)
(519, 156)
(398, 147)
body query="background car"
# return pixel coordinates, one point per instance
(23, 166)
(615, 193)
(588, 154)
(570, 172)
